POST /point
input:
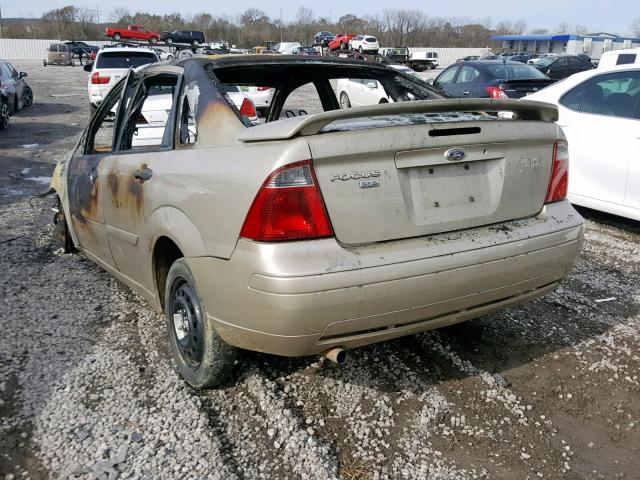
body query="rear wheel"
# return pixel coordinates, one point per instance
(344, 100)
(200, 355)
(195, 43)
(27, 96)
(117, 37)
(4, 114)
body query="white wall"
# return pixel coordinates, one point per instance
(22, 49)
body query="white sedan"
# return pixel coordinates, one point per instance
(365, 43)
(600, 115)
(356, 92)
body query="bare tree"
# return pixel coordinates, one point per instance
(304, 20)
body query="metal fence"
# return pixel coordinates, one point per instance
(23, 49)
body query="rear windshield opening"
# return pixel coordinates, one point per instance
(296, 89)
(515, 72)
(125, 59)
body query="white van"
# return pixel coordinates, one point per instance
(629, 57)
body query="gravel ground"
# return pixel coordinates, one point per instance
(548, 390)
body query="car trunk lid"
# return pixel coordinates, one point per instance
(404, 170)
(521, 88)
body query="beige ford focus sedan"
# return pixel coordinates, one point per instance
(316, 229)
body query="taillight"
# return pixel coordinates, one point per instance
(248, 109)
(559, 181)
(263, 89)
(496, 92)
(97, 79)
(288, 206)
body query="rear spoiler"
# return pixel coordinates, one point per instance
(312, 124)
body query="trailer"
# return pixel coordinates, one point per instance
(418, 61)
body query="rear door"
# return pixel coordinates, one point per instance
(465, 82)
(601, 131)
(445, 80)
(420, 177)
(135, 172)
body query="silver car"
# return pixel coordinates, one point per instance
(327, 230)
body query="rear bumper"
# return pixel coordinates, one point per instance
(303, 298)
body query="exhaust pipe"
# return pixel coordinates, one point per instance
(336, 355)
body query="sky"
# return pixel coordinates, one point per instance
(596, 15)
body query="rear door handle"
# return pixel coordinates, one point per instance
(143, 175)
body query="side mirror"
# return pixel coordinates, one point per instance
(372, 85)
(88, 67)
(22, 74)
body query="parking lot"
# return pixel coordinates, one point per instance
(87, 390)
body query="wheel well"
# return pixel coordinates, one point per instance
(165, 252)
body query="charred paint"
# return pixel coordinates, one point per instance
(135, 192)
(84, 188)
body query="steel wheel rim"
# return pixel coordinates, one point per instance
(187, 323)
(28, 97)
(344, 101)
(4, 115)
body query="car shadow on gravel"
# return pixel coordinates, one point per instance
(39, 133)
(626, 224)
(46, 109)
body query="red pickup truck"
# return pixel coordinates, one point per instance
(133, 32)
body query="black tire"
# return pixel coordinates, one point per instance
(5, 114)
(195, 43)
(92, 109)
(383, 100)
(201, 357)
(63, 236)
(345, 102)
(153, 40)
(117, 37)
(27, 96)
(44, 63)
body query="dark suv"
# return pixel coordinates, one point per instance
(322, 39)
(183, 36)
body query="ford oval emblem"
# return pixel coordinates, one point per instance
(455, 154)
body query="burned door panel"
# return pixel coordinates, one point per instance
(85, 182)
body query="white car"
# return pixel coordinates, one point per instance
(599, 111)
(163, 54)
(287, 48)
(356, 92)
(260, 96)
(534, 61)
(364, 43)
(110, 65)
(620, 57)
